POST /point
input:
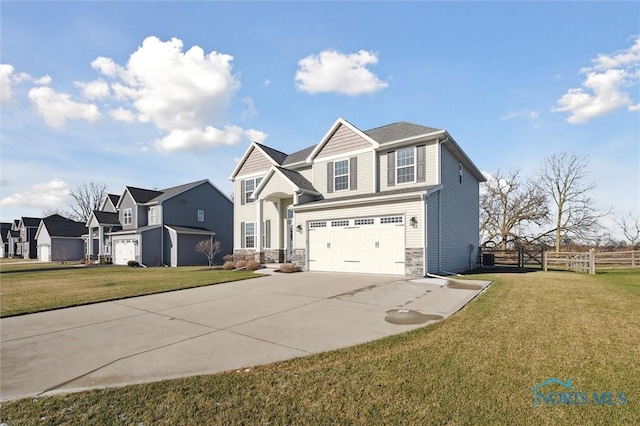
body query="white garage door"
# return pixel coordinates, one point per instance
(44, 254)
(366, 245)
(124, 252)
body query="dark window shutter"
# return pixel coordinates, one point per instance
(267, 234)
(391, 168)
(353, 173)
(242, 193)
(330, 177)
(242, 239)
(420, 164)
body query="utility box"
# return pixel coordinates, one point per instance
(488, 259)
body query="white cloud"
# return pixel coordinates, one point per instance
(332, 71)
(621, 59)
(57, 108)
(122, 114)
(532, 116)
(5, 82)
(605, 87)
(184, 94)
(607, 96)
(198, 140)
(44, 195)
(97, 89)
(106, 66)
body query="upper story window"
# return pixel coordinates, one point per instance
(153, 215)
(341, 175)
(127, 216)
(460, 173)
(405, 165)
(250, 186)
(200, 215)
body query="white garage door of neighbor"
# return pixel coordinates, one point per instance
(44, 254)
(124, 252)
(365, 245)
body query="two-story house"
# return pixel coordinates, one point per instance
(13, 238)
(28, 244)
(162, 227)
(399, 199)
(100, 224)
(5, 228)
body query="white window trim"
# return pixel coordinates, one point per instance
(199, 215)
(129, 216)
(153, 215)
(256, 181)
(415, 154)
(336, 176)
(247, 235)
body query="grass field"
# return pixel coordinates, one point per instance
(475, 368)
(41, 287)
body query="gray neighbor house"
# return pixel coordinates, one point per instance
(161, 227)
(60, 239)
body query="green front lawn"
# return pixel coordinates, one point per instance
(475, 368)
(42, 287)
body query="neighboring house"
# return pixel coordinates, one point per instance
(13, 237)
(163, 227)
(29, 246)
(100, 224)
(399, 199)
(109, 204)
(60, 239)
(5, 228)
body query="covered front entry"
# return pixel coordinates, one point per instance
(364, 245)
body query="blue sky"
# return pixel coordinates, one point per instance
(158, 94)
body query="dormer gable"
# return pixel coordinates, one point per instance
(257, 158)
(342, 138)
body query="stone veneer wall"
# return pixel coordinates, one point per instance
(273, 255)
(267, 256)
(413, 262)
(300, 258)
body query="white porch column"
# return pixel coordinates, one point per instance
(90, 244)
(258, 236)
(101, 241)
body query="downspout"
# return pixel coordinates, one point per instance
(424, 235)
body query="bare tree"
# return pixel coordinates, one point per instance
(630, 226)
(507, 205)
(58, 211)
(565, 180)
(210, 249)
(87, 198)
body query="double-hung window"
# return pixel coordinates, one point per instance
(249, 235)
(200, 215)
(153, 215)
(127, 216)
(250, 186)
(341, 175)
(405, 165)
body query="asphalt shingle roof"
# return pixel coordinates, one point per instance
(106, 218)
(299, 180)
(141, 195)
(4, 231)
(397, 131)
(32, 222)
(276, 155)
(62, 227)
(298, 156)
(114, 198)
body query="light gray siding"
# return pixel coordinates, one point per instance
(433, 233)
(365, 175)
(128, 203)
(430, 172)
(459, 216)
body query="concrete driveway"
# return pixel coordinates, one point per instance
(212, 329)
